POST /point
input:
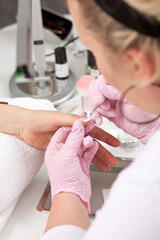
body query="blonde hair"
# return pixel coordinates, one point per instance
(118, 37)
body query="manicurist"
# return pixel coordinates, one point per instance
(124, 36)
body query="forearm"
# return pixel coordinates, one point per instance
(67, 209)
(12, 119)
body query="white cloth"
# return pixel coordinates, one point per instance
(19, 162)
(132, 210)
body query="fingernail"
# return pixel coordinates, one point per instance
(115, 162)
(84, 119)
(107, 169)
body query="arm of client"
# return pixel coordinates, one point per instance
(36, 128)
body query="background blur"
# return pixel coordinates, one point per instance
(8, 9)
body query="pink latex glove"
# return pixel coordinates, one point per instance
(107, 97)
(68, 158)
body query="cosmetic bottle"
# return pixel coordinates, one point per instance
(92, 66)
(61, 64)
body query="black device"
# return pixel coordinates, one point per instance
(59, 25)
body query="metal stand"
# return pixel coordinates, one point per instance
(36, 80)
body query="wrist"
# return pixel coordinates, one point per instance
(72, 198)
(74, 194)
(67, 209)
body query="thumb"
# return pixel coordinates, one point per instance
(90, 152)
(76, 136)
(109, 92)
(59, 137)
(95, 95)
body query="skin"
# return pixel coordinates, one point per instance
(132, 67)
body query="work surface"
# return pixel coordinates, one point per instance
(26, 222)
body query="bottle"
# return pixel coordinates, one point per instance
(92, 66)
(61, 64)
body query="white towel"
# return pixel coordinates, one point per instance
(19, 162)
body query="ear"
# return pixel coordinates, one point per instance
(142, 64)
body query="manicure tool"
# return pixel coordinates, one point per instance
(94, 109)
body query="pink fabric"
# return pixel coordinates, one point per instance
(67, 158)
(107, 97)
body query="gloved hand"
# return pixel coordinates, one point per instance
(107, 97)
(67, 158)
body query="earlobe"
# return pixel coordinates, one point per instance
(143, 65)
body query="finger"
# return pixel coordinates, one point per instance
(109, 92)
(75, 138)
(87, 142)
(105, 137)
(105, 105)
(66, 120)
(82, 114)
(63, 119)
(110, 113)
(106, 156)
(90, 126)
(87, 157)
(90, 152)
(94, 93)
(100, 164)
(60, 136)
(97, 117)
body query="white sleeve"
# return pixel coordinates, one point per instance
(64, 232)
(132, 211)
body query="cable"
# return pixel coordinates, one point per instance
(70, 41)
(65, 45)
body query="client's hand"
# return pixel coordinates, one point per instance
(40, 126)
(107, 97)
(67, 158)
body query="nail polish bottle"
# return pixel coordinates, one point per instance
(61, 64)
